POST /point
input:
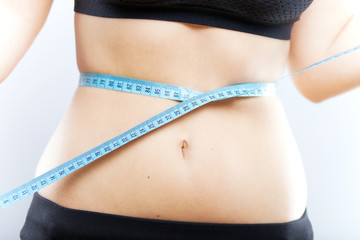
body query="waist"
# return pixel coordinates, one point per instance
(239, 156)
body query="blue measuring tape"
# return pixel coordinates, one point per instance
(190, 100)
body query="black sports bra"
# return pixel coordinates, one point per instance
(271, 18)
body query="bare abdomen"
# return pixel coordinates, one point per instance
(240, 164)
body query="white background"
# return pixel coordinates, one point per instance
(35, 96)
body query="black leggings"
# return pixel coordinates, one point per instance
(48, 220)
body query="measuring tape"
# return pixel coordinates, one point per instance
(190, 100)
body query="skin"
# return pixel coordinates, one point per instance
(231, 161)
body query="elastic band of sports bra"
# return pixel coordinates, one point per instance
(191, 100)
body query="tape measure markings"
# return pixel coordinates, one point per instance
(132, 85)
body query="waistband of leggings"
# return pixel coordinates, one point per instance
(149, 221)
(46, 218)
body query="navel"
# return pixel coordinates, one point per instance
(184, 147)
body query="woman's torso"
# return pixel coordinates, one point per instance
(241, 163)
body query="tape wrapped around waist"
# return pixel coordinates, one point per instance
(189, 100)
